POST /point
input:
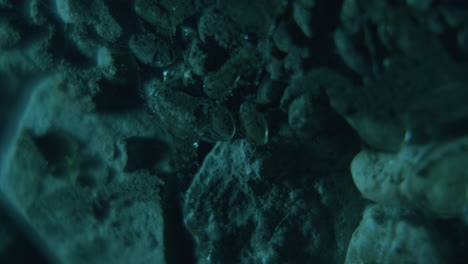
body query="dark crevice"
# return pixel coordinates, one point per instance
(59, 150)
(86, 180)
(179, 244)
(452, 3)
(203, 149)
(217, 56)
(117, 98)
(100, 209)
(71, 54)
(327, 16)
(450, 43)
(144, 153)
(453, 230)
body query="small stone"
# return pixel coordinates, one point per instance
(377, 176)
(150, 50)
(351, 15)
(221, 125)
(282, 37)
(239, 70)
(253, 124)
(189, 117)
(301, 115)
(303, 18)
(219, 27)
(252, 17)
(454, 17)
(269, 91)
(347, 50)
(69, 11)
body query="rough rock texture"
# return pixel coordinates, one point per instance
(65, 174)
(254, 206)
(389, 235)
(234, 131)
(432, 177)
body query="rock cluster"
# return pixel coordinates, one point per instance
(236, 131)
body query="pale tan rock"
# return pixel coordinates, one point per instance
(432, 177)
(387, 235)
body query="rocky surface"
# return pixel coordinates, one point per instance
(227, 131)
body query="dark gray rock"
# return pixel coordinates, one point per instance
(241, 205)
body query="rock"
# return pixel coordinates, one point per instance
(197, 57)
(119, 68)
(95, 13)
(240, 70)
(454, 17)
(69, 182)
(440, 114)
(386, 109)
(252, 17)
(252, 216)
(310, 83)
(385, 135)
(462, 39)
(221, 131)
(432, 177)
(377, 176)
(371, 112)
(106, 26)
(165, 15)
(79, 223)
(5, 4)
(71, 11)
(346, 47)
(301, 116)
(9, 35)
(269, 92)
(151, 51)
(253, 124)
(282, 38)
(388, 235)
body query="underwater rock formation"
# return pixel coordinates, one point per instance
(234, 131)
